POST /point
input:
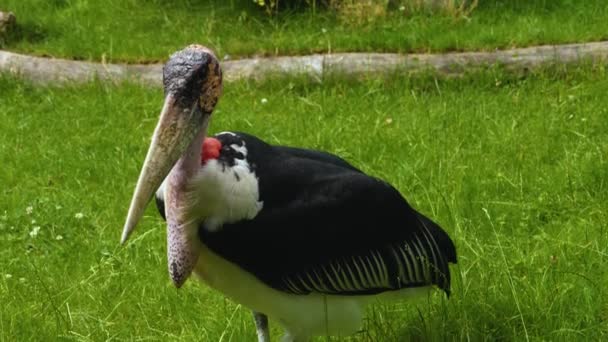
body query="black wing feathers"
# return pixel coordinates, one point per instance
(319, 156)
(326, 227)
(160, 205)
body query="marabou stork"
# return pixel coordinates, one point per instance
(296, 235)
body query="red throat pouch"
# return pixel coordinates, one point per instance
(211, 149)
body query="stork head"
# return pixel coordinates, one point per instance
(192, 81)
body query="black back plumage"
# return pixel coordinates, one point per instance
(327, 227)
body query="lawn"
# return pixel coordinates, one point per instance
(149, 30)
(514, 167)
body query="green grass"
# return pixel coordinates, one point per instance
(149, 30)
(514, 167)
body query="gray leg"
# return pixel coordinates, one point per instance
(261, 326)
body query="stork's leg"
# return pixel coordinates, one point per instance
(261, 326)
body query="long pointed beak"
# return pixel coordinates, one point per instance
(176, 128)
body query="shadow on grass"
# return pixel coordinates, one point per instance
(526, 7)
(24, 32)
(245, 7)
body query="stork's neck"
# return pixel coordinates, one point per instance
(186, 167)
(183, 247)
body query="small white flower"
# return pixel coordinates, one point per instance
(35, 231)
(58, 237)
(29, 210)
(264, 100)
(79, 215)
(8, 276)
